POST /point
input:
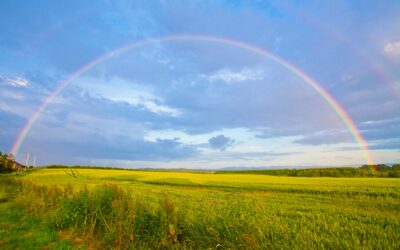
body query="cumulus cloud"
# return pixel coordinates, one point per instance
(230, 76)
(220, 142)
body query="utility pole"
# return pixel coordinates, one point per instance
(27, 161)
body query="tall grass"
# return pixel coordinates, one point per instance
(140, 215)
(106, 215)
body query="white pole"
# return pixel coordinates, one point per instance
(27, 161)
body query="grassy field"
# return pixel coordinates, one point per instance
(94, 208)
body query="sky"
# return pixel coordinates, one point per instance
(197, 84)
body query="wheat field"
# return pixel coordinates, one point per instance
(201, 210)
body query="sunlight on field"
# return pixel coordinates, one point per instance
(232, 210)
(53, 176)
(243, 181)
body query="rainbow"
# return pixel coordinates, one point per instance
(339, 110)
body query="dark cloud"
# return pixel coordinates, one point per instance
(220, 142)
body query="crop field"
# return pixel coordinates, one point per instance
(94, 208)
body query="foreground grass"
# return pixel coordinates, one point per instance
(142, 209)
(19, 230)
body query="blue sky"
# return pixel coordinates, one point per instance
(195, 103)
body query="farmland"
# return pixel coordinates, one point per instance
(96, 208)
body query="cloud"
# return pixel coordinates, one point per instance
(378, 133)
(16, 81)
(380, 129)
(220, 142)
(387, 144)
(267, 155)
(12, 95)
(99, 145)
(230, 76)
(347, 77)
(392, 49)
(120, 90)
(164, 90)
(326, 137)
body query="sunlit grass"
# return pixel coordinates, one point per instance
(367, 186)
(205, 210)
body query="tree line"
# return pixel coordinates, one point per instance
(378, 170)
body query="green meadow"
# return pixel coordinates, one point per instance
(66, 208)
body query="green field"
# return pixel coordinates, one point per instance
(94, 208)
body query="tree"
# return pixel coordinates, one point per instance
(395, 171)
(6, 162)
(3, 162)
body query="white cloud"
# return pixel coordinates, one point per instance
(118, 90)
(348, 77)
(148, 102)
(229, 76)
(380, 122)
(392, 49)
(164, 61)
(16, 81)
(159, 109)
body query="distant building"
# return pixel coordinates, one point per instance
(17, 166)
